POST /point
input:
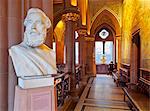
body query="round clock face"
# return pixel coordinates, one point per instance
(104, 34)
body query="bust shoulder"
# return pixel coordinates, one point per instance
(13, 49)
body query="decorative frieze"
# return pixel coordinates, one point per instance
(70, 17)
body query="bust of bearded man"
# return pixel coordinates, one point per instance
(32, 57)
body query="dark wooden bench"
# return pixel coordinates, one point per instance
(115, 77)
(138, 101)
(144, 81)
(124, 74)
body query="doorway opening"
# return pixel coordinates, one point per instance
(104, 50)
(136, 49)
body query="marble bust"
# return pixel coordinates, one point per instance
(32, 57)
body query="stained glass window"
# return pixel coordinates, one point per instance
(54, 46)
(64, 54)
(98, 52)
(77, 52)
(76, 35)
(104, 34)
(108, 51)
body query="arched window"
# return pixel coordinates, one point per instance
(104, 47)
(103, 34)
(77, 52)
(98, 51)
(108, 51)
(54, 46)
(64, 54)
(76, 48)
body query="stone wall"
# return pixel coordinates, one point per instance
(136, 16)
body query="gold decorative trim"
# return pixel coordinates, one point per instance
(89, 39)
(70, 16)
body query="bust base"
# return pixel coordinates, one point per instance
(35, 99)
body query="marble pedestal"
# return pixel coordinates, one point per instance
(35, 99)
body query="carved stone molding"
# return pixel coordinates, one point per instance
(70, 17)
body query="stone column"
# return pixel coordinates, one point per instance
(82, 53)
(90, 58)
(47, 6)
(36, 3)
(3, 56)
(60, 51)
(114, 50)
(119, 52)
(14, 37)
(70, 19)
(25, 7)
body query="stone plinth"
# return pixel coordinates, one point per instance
(35, 99)
(35, 81)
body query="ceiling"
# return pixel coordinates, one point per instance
(94, 13)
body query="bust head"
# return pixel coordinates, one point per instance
(36, 23)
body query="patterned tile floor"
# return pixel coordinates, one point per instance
(102, 94)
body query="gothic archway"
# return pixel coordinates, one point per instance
(106, 18)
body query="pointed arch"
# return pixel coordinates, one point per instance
(108, 9)
(111, 18)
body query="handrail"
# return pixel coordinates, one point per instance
(58, 75)
(145, 69)
(126, 64)
(78, 73)
(145, 81)
(124, 69)
(131, 99)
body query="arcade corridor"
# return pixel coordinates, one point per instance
(81, 40)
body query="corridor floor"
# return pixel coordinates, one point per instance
(102, 94)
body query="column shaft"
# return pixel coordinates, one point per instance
(70, 19)
(90, 58)
(3, 56)
(60, 52)
(114, 50)
(82, 52)
(69, 46)
(14, 37)
(119, 53)
(70, 52)
(36, 3)
(47, 6)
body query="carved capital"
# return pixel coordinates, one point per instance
(70, 17)
(118, 37)
(89, 39)
(82, 32)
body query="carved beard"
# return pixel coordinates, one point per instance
(33, 38)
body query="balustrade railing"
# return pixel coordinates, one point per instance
(78, 74)
(62, 83)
